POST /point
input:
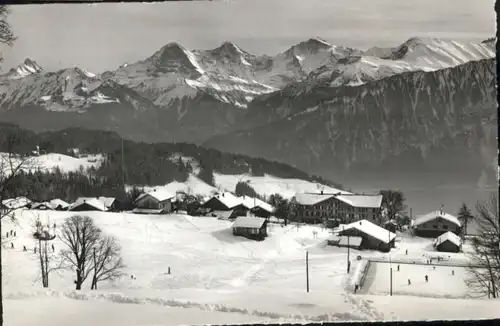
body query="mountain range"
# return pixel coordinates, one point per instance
(426, 105)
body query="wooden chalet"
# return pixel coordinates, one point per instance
(84, 204)
(226, 201)
(374, 237)
(250, 227)
(257, 207)
(42, 206)
(448, 242)
(59, 204)
(111, 203)
(436, 223)
(154, 202)
(345, 241)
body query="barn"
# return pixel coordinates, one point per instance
(374, 237)
(154, 202)
(257, 207)
(448, 242)
(436, 223)
(84, 204)
(250, 227)
(345, 241)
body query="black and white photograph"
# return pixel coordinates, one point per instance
(248, 161)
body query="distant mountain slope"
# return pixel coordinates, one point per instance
(442, 121)
(178, 94)
(147, 164)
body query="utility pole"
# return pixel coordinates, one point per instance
(348, 253)
(307, 271)
(390, 265)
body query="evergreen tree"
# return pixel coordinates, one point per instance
(206, 174)
(464, 216)
(244, 189)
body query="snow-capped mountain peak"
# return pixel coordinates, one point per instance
(28, 67)
(174, 57)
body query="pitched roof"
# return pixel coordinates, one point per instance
(228, 199)
(107, 201)
(363, 201)
(15, 203)
(249, 222)
(94, 202)
(158, 194)
(434, 215)
(46, 204)
(373, 230)
(354, 200)
(59, 202)
(449, 236)
(251, 202)
(308, 199)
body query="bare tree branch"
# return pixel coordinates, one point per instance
(108, 263)
(485, 259)
(81, 236)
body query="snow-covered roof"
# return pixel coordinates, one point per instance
(158, 194)
(373, 230)
(107, 201)
(437, 214)
(94, 202)
(449, 236)
(15, 203)
(228, 199)
(251, 202)
(249, 222)
(354, 200)
(308, 199)
(46, 204)
(363, 201)
(59, 202)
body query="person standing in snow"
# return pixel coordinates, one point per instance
(406, 251)
(53, 249)
(398, 268)
(409, 282)
(426, 278)
(452, 272)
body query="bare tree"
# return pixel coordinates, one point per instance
(485, 259)
(393, 203)
(6, 33)
(46, 258)
(81, 236)
(107, 261)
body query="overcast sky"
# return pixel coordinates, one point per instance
(103, 36)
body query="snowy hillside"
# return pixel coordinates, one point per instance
(47, 162)
(28, 67)
(265, 186)
(259, 281)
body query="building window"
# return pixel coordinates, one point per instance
(445, 227)
(434, 226)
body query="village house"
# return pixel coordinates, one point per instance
(448, 242)
(111, 203)
(226, 201)
(250, 227)
(154, 202)
(374, 237)
(436, 223)
(344, 207)
(59, 204)
(257, 207)
(42, 206)
(17, 203)
(84, 204)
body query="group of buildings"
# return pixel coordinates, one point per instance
(359, 215)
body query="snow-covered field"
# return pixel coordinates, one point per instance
(215, 277)
(442, 282)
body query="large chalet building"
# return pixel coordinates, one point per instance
(344, 207)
